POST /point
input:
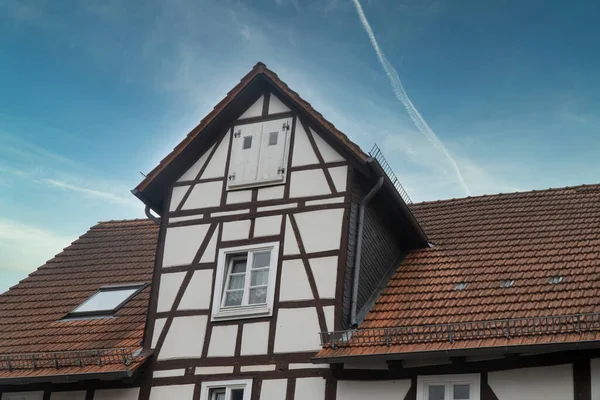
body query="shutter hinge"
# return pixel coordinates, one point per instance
(280, 171)
(237, 134)
(231, 177)
(286, 126)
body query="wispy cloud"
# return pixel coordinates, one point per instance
(401, 95)
(94, 193)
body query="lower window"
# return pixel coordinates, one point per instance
(448, 387)
(226, 390)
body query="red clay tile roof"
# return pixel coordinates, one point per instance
(257, 70)
(110, 253)
(526, 237)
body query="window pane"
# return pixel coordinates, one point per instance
(273, 138)
(262, 259)
(234, 298)
(247, 142)
(461, 392)
(258, 295)
(237, 394)
(239, 265)
(259, 277)
(436, 392)
(105, 300)
(236, 281)
(217, 394)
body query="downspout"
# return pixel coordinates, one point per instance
(359, 234)
(151, 217)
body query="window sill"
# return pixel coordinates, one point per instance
(242, 313)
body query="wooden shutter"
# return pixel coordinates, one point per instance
(245, 151)
(274, 141)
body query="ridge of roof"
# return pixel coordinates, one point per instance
(508, 194)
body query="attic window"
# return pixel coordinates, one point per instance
(555, 280)
(106, 301)
(460, 286)
(507, 283)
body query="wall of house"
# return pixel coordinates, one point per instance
(304, 216)
(542, 383)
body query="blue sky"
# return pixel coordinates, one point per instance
(91, 93)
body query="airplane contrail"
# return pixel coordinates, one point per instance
(401, 95)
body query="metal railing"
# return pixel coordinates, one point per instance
(503, 328)
(378, 155)
(61, 359)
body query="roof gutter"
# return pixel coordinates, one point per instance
(361, 220)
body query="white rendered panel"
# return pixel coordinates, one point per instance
(295, 327)
(327, 152)
(385, 390)
(214, 370)
(185, 338)
(211, 249)
(168, 373)
(273, 389)
(216, 166)
(332, 200)
(271, 193)
(194, 170)
(276, 106)
(173, 392)
(320, 230)
(186, 218)
(159, 324)
(236, 230)
(255, 338)
(595, 372)
(77, 395)
(182, 244)
(204, 195)
(544, 383)
(290, 244)
(177, 195)
(222, 341)
(197, 295)
(117, 394)
(255, 110)
(329, 312)
(303, 153)
(324, 270)
(258, 368)
(294, 282)
(267, 226)
(308, 183)
(167, 290)
(239, 196)
(313, 389)
(338, 176)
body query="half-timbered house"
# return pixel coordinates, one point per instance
(289, 264)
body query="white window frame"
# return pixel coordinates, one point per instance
(219, 313)
(241, 383)
(423, 382)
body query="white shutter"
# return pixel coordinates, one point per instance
(275, 135)
(245, 150)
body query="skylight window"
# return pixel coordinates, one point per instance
(460, 286)
(555, 280)
(507, 283)
(106, 301)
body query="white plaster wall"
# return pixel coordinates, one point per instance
(168, 373)
(158, 327)
(239, 196)
(204, 195)
(211, 249)
(78, 395)
(117, 394)
(338, 176)
(327, 152)
(303, 153)
(311, 389)
(294, 282)
(177, 196)
(255, 110)
(222, 341)
(329, 312)
(179, 392)
(270, 193)
(182, 244)
(273, 389)
(543, 383)
(380, 390)
(198, 293)
(297, 330)
(320, 230)
(255, 338)
(307, 183)
(191, 173)
(167, 290)
(185, 338)
(267, 226)
(214, 370)
(595, 372)
(276, 105)
(236, 230)
(216, 165)
(290, 244)
(324, 270)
